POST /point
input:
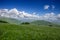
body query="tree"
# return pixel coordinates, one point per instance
(50, 25)
(3, 21)
(25, 23)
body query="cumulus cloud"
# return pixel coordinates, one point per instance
(14, 13)
(46, 6)
(49, 6)
(50, 16)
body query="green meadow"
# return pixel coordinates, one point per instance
(28, 32)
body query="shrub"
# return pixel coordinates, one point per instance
(50, 25)
(25, 23)
(3, 21)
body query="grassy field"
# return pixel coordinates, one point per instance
(28, 32)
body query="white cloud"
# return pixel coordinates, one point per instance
(58, 16)
(14, 13)
(50, 16)
(46, 6)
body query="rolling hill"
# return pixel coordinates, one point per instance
(41, 22)
(10, 20)
(45, 23)
(10, 31)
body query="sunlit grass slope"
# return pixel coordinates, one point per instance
(28, 32)
(10, 20)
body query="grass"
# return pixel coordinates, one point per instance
(28, 32)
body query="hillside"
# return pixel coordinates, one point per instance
(28, 32)
(46, 23)
(41, 22)
(36, 30)
(10, 20)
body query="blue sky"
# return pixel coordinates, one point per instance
(31, 6)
